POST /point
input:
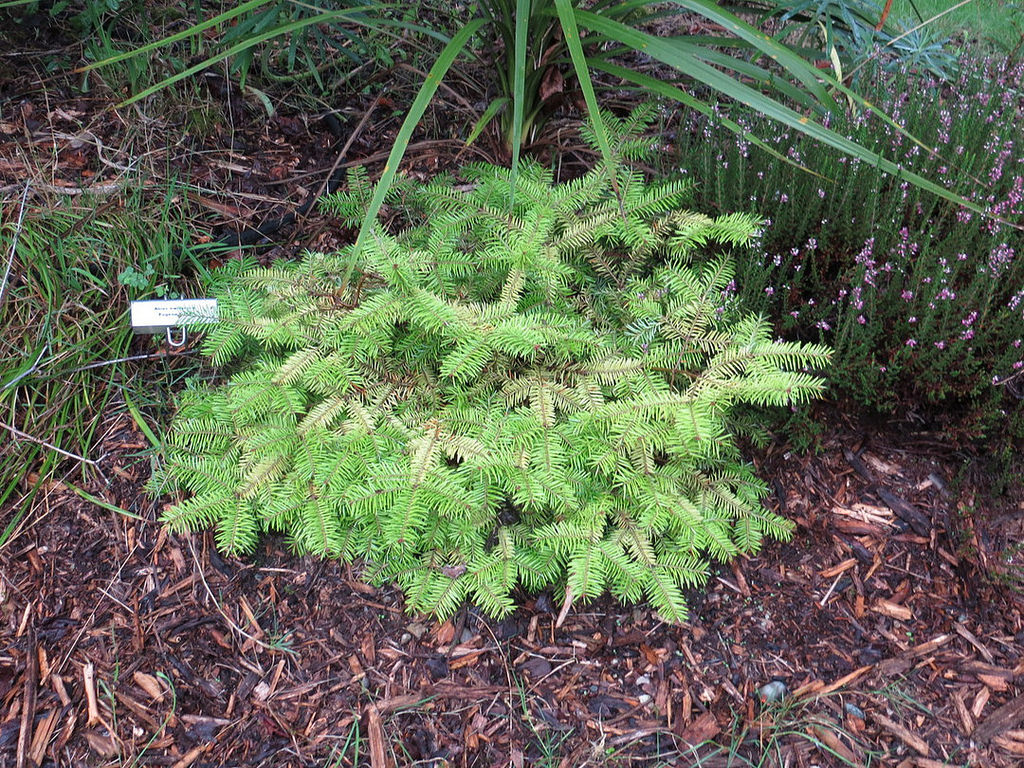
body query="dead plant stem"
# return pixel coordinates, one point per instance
(25, 436)
(14, 243)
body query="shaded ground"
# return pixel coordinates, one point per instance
(886, 620)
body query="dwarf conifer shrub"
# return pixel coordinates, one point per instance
(515, 388)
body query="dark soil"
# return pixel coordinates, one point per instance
(891, 622)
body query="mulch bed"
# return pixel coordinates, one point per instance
(125, 644)
(888, 630)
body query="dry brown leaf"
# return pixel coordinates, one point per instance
(551, 84)
(830, 739)
(445, 633)
(102, 745)
(150, 685)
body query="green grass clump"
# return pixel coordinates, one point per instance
(71, 267)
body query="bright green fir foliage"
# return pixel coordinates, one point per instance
(519, 387)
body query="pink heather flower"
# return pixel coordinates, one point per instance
(911, 343)
(999, 259)
(823, 325)
(861, 319)
(969, 320)
(911, 319)
(940, 344)
(967, 335)
(1017, 343)
(907, 295)
(1018, 365)
(821, 193)
(769, 290)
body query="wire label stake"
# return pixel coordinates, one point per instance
(166, 315)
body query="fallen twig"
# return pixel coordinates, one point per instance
(14, 243)
(37, 441)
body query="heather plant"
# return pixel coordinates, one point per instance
(526, 384)
(923, 301)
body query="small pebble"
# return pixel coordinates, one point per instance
(643, 698)
(773, 691)
(417, 630)
(643, 680)
(854, 711)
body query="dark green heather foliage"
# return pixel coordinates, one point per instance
(519, 386)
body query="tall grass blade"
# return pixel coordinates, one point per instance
(793, 64)
(244, 45)
(227, 16)
(519, 81)
(437, 72)
(681, 58)
(567, 16)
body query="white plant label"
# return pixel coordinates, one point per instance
(157, 316)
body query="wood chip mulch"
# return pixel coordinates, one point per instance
(876, 628)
